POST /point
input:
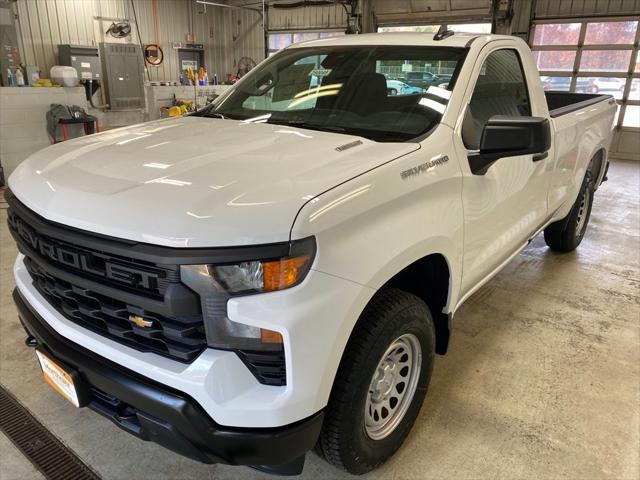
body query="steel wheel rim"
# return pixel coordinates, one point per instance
(393, 386)
(582, 213)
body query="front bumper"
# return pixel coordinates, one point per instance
(170, 418)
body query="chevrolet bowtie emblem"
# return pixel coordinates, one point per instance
(139, 321)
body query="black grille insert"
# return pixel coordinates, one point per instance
(116, 271)
(135, 302)
(181, 339)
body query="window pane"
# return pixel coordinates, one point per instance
(610, 32)
(605, 60)
(304, 36)
(556, 83)
(460, 28)
(556, 34)
(631, 116)
(500, 90)
(608, 85)
(279, 41)
(634, 93)
(471, 28)
(561, 60)
(331, 34)
(410, 28)
(637, 67)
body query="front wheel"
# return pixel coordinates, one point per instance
(565, 235)
(381, 383)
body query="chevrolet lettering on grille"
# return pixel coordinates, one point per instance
(83, 261)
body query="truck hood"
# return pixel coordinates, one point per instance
(193, 181)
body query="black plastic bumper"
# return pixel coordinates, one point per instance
(170, 418)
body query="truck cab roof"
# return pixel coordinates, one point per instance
(405, 38)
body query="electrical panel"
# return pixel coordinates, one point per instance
(84, 59)
(123, 75)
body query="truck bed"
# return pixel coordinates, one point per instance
(561, 103)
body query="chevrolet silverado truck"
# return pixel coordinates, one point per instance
(276, 272)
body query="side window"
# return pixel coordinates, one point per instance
(501, 90)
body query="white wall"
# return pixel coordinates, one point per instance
(23, 129)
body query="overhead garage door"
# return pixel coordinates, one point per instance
(420, 12)
(595, 56)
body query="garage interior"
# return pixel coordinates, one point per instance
(542, 376)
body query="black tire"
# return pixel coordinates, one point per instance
(344, 442)
(565, 235)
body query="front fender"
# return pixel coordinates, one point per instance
(370, 228)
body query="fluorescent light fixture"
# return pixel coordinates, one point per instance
(433, 105)
(218, 187)
(293, 132)
(331, 86)
(339, 201)
(323, 93)
(157, 145)
(195, 215)
(161, 166)
(258, 119)
(169, 181)
(123, 142)
(235, 203)
(439, 92)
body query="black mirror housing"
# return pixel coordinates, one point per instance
(505, 136)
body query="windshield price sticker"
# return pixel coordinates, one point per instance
(320, 72)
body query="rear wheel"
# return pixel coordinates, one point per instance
(381, 383)
(565, 235)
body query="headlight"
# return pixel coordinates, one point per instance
(216, 284)
(263, 276)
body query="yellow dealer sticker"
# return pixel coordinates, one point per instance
(60, 380)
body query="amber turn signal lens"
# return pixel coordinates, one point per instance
(269, 336)
(284, 273)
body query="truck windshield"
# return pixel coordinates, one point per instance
(384, 93)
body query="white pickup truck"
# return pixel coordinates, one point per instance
(276, 272)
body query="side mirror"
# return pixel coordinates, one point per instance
(504, 136)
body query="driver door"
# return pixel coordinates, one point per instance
(507, 204)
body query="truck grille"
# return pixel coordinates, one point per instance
(126, 293)
(106, 293)
(181, 340)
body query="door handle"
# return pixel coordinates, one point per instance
(540, 156)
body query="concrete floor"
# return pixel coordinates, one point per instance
(542, 379)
